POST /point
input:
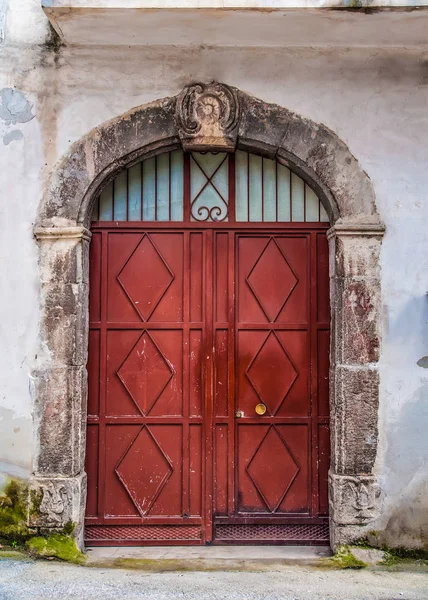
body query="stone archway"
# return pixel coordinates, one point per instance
(201, 117)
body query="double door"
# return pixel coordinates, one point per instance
(208, 386)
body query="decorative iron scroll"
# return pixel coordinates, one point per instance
(209, 202)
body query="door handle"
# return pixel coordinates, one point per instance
(260, 408)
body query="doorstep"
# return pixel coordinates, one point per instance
(204, 558)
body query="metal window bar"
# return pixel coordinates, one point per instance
(159, 189)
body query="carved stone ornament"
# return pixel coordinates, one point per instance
(354, 500)
(54, 502)
(208, 117)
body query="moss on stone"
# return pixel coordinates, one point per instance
(68, 528)
(13, 513)
(58, 546)
(344, 559)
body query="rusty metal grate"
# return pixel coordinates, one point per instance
(122, 533)
(280, 533)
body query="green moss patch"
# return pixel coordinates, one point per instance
(344, 559)
(13, 513)
(57, 546)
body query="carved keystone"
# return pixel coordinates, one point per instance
(207, 117)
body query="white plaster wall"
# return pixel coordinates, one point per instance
(376, 100)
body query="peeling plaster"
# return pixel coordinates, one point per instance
(12, 136)
(14, 107)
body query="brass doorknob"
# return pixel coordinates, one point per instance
(261, 409)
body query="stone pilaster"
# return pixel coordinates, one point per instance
(59, 384)
(354, 494)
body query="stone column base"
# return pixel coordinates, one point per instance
(355, 502)
(55, 502)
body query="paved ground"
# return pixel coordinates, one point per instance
(44, 580)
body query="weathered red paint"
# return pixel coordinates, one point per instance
(187, 327)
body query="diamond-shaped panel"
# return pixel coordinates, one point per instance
(145, 373)
(271, 373)
(272, 280)
(272, 469)
(145, 278)
(144, 471)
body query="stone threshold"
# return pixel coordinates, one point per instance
(201, 558)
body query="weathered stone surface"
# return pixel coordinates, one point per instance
(63, 259)
(334, 166)
(355, 416)
(313, 149)
(207, 117)
(57, 501)
(60, 410)
(102, 153)
(352, 258)
(356, 304)
(64, 324)
(354, 500)
(262, 125)
(203, 117)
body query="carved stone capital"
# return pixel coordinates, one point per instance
(354, 500)
(54, 502)
(208, 117)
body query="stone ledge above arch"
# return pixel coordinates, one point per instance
(203, 117)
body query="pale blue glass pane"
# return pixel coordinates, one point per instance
(163, 187)
(221, 180)
(241, 186)
(323, 215)
(120, 196)
(269, 189)
(134, 193)
(106, 203)
(209, 206)
(149, 191)
(177, 185)
(297, 198)
(312, 205)
(283, 193)
(209, 161)
(197, 180)
(255, 188)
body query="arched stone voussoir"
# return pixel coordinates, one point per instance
(200, 116)
(96, 158)
(315, 152)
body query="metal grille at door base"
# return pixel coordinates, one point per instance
(273, 533)
(141, 533)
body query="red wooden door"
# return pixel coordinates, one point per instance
(190, 330)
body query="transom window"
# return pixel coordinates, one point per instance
(209, 187)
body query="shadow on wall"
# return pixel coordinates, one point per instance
(407, 460)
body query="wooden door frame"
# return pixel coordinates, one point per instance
(207, 117)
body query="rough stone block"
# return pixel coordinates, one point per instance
(64, 322)
(356, 309)
(356, 256)
(262, 125)
(59, 415)
(356, 404)
(64, 260)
